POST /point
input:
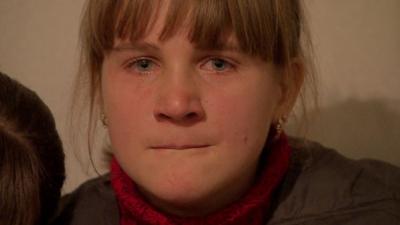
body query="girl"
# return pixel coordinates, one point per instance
(194, 95)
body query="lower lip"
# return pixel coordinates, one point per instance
(180, 148)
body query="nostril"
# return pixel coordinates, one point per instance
(191, 116)
(162, 117)
(188, 117)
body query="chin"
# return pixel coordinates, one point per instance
(178, 193)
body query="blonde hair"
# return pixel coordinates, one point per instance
(271, 29)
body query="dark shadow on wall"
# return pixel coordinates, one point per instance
(359, 129)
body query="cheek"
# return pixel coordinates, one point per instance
(126, 107)
(244, 117)
(244, 130)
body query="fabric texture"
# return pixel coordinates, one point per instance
(321, 187)
(250, 209)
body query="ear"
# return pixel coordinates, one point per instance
(291, 83)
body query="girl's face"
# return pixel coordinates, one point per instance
(187, 124)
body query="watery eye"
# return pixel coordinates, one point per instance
(217, 65)
(143, 64)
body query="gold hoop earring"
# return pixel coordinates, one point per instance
(103, 119)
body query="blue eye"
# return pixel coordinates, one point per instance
(217, 65)
(142, 65)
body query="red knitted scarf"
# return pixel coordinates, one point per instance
(250, 209)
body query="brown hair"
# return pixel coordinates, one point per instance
(271, 29)
(31, 157)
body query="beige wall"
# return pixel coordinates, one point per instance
(357, 43)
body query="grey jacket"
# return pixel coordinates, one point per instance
(321, 188)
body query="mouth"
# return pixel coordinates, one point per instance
(179, 147)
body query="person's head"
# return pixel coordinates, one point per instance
(31, 157)
(190, 90)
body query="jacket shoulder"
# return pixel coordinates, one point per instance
(324, 185)
(91, 203)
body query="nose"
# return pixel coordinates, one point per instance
(179, 102)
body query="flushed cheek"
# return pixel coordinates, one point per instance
(127, 109)
(242, 121)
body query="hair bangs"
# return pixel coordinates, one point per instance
(211, 22)
(135, 18)
(253, 23)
